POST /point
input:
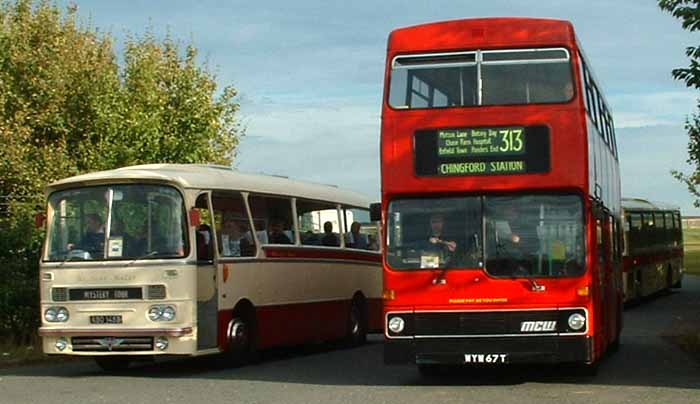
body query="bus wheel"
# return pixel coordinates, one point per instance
(357, 323)
(242, 339)
(669, 279)
(113, 363)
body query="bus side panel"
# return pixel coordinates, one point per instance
(300, 300)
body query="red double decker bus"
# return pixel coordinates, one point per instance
(500, 197)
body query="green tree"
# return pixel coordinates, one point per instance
(67, 106)
(688, 12)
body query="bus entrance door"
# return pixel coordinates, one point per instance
(207, 293)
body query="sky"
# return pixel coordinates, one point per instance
(309, 75)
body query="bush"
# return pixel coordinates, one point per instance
(20, 244)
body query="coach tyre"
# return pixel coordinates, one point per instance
(357, 323)
(241, 334)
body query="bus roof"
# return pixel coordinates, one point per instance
(477, 32)
(643, 204)
(202, 176)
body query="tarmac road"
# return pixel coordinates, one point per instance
(647, 369)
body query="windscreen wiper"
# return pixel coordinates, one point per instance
(522, 273)
(150, 254)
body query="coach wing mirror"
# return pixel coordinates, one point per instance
(39, 220)
(375, 212)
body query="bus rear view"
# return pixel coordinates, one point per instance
(500, 197)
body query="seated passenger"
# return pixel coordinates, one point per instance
(275, 232)
(329, 239)
(355, 239)
(233, 242)
(309, 238)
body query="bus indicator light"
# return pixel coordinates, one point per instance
(584, 291)
(389, 294)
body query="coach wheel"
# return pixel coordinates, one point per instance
(241, 340)
(357, 324)
(113, 363)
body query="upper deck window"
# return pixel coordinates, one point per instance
(496, 77)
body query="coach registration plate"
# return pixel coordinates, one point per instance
(105, 319)
(486, 358)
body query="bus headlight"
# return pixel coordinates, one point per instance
(168, 313)
(62, 315)
(56, 315)
(61, 344)
(161, 313)
(576, 321)
(162, 343)
(396, 325)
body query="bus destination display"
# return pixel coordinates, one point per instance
(481, 142)
(482, 151)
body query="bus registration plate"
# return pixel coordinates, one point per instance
(105, 319)
(486, 358)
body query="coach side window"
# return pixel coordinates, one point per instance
(660, 235)
(204, 238)
(318, 223)
(273, 219)
(361, 233)
(234, 236)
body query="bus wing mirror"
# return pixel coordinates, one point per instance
(39, 220)
(375, 212)
(195, 218)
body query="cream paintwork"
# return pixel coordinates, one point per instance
(134, 313)
(270, 283)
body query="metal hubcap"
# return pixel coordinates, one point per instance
(354, 322)
(239, 334)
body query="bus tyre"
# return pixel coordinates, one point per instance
(113, 363)
(669, 279)
(357, 324)
(242, 340)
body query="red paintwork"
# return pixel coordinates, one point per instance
(308, 322)
(301, 323)
(569, 173)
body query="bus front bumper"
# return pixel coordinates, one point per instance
(488, 350)
(118, 341)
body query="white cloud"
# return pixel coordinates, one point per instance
(334, 144)
(634, 110)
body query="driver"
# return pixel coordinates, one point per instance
(436, 236)
(93, 240)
